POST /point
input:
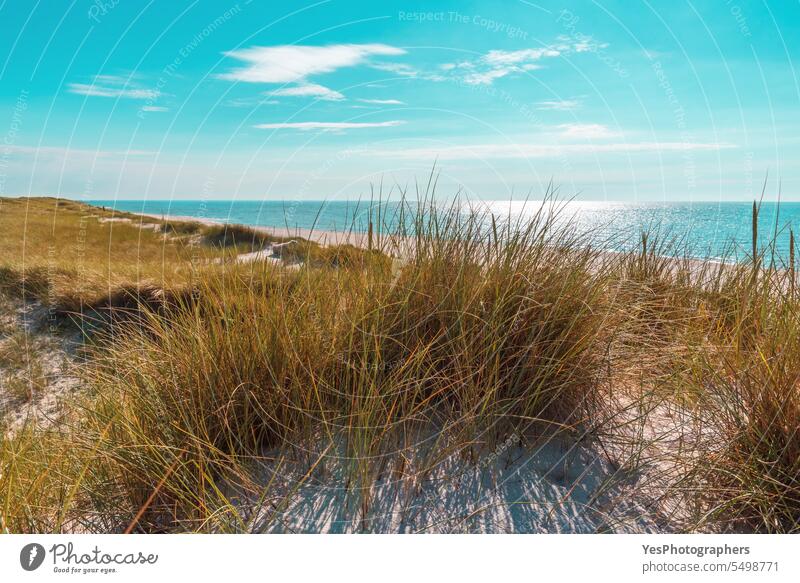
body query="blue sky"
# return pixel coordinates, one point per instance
(611, 100)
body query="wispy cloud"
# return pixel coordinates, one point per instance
(400, 69)
(125, 87)
(327, 125)
(252, 101)
(500, 63)
(297, 63)
(154, 108)
(382, 101)
(586, 131)
(559, 105)
(488, 77)
(293, 63)
(522, 57)
(582, 44)
(94, 90)
(308, 90)
(511, 151)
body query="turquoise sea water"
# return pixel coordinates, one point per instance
(707, 229)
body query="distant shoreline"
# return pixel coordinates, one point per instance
(356, 238)
(323, 237)
(699, 230)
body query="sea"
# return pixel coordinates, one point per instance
(713, 230)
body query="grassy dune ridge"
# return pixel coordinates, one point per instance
(477, 329)
(74, 256)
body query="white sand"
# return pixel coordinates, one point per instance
(551, 486)
(52, 354)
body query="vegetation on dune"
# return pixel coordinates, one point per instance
(75, 257)
(463, 323)
(66, 253)
(269, 358)
(238, 236)
(720, 339)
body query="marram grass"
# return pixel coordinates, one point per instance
(459, 322)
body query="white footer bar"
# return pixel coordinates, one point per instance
(409, 558)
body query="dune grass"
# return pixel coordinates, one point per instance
(720, 338)
(65, 252)
(73, 256)
(477, 328)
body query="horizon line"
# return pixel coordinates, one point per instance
(397, 199)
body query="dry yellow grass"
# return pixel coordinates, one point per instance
(71, 255)
(514, 330)
(68, 252)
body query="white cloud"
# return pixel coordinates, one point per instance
(579, 43)
(459, 65)
(295, 63)
(94, 90)
(518, 57)
(499, 63)
(154, 108)
(511, 151)
(400, 69)
(382, 101)
(308, 90)
(488, 77)
(327, 126)
(586, 131)
(253, 102)
(559, 105)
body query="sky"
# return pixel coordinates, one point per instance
(607, 100)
